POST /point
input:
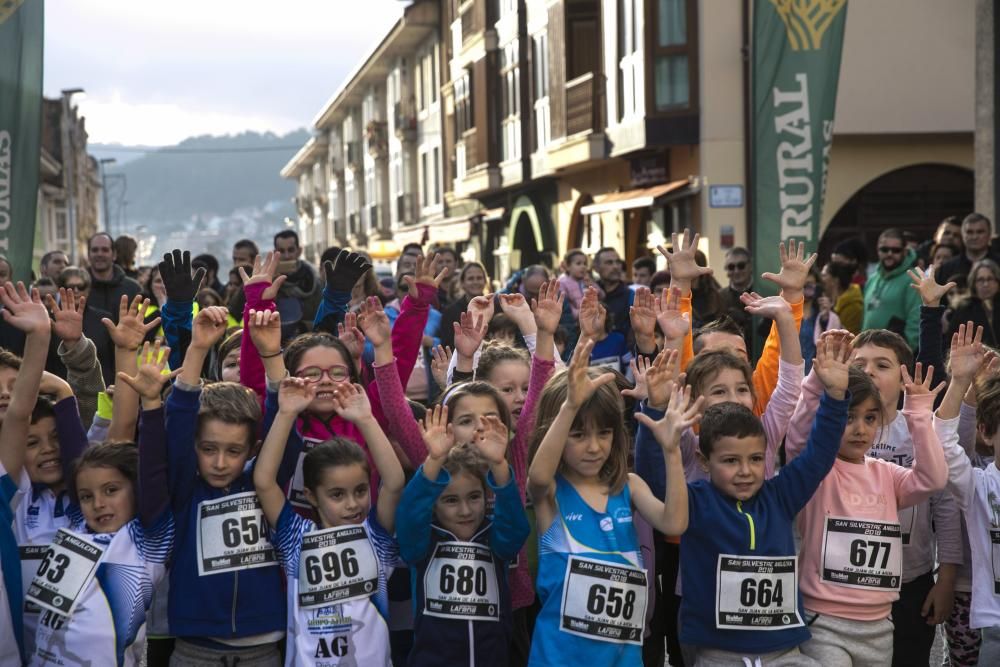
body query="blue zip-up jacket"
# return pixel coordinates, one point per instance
(762, 526)
(445, 641)
(229, 604)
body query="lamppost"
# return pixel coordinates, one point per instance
(104, 190)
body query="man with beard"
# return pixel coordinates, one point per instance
(617, 296)
(300, 295)
(890, 303)
(108, 281)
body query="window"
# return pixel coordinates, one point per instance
(540, 76)
(672, 57)
(510, 102)
(436, 172)
(463, 104)
(433, 83)
(631, 98)
(425, 177)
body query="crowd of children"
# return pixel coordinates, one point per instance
(242, 497)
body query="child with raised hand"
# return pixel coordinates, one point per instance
(738, 558)
(226, 592)
(851, 555)
(26, 313)
(591, 577)
(975, 489)
(337, 569)
(77, 352)
(96, 579)
(459, 555)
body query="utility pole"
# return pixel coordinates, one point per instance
(104, 190)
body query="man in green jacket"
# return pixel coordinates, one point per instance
(890, 303)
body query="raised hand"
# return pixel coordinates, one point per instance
(295, 395)
(264, 270)
(832, 365)
(665, 369)
(53, 385)
(482, 305)
(438, 436)
(643, 316)
(639, 368)
(681, 414)
(374, 322)
(68, 314)
(794, 270)
(351, 402)
(839, 334)
(681, 262)
(516, 307)
(178, 281)
(209, 326)
(425, 274)
(967, 352)
(592, 315)
(345, 271)
(265, 332)
(581, 386)
(469, 333)
(24, 311)
(149, 379)
(673, 323)
(548, 307)
(770, 307)
(930, 292)
(491, 439)
(440, 360)
(131, 329)
(919, 384)
(351, 336)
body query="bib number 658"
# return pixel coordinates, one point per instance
(610, 601)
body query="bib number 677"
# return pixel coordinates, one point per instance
(610, 601)
(867, 552)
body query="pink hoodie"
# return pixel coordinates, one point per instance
(873, 491)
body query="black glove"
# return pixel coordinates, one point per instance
(343, 273)
(175, 271)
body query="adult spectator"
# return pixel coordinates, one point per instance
(617, 296)
(125, 249)
(301, 293)
(890, 302)
(948, 232)
(982, 306)
(245, 252)
(642, 271)
(976, 233)
(706, 305)
(78, 281)
(939, 255)
(848, 301)
(52, 264)
(6, 271)
(852, 252)
(450, 290)
(211, 266)
(739, 271)
(817, 316)
(408, 260)
(108, 282)
(472, 279)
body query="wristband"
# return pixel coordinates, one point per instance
(271, 356)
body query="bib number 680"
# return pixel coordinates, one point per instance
(610, 601)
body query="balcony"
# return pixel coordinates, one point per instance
(404, 121)
(472, 175)
(583, 104)
(471, 20)
(404, 209)
(354, 159)
(353, 224)
(376, 140)
(373, 219)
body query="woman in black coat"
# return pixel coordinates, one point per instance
(982, 306)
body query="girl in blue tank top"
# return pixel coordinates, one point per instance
(591, 578)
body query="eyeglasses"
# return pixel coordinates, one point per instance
(79, 287)
(336, 373)
(985, 280)
(736, 266)
(889, 250)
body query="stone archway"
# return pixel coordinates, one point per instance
(914, 198)
(526, 235)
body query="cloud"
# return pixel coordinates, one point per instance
(156, 72)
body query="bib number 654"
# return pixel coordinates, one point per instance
(245, 530)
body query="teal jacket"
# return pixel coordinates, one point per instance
(890, 302)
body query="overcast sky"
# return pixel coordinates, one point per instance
(157, 71)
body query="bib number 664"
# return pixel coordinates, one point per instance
(763, 593)
(610, 601)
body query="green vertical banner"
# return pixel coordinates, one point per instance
(796, 63)
(21, 36)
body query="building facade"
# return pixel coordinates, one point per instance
(518, 129)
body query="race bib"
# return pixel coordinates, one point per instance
(756, 593)
(296, 489)
(68, 566)
(461, 583)
(232, 535)
(31, 559)
(603, 601)
(862, 554)
(906, 518)
(336, 565)
(995, 541)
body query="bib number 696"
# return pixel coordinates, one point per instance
(245, 530)
(332, 568)
(610, 601)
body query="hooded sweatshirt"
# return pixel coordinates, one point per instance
(891, 304)
(107, 294)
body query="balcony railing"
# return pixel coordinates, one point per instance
(354, 160)
(404, 121)
(471, 20)
(583, 104)
(404, 209)
(471, 154)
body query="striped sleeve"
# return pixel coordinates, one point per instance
(386, 547)
(156, 542)
(287, 538)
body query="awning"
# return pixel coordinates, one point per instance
(450, 231)
(405, 235)
(639, 198)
